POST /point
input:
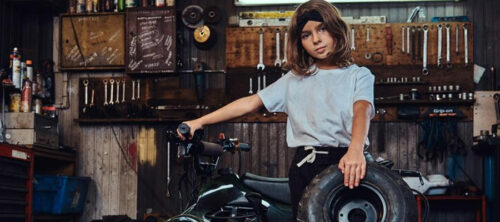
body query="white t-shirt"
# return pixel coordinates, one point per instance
(320, 106)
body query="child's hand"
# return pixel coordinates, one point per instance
(353, 166)
(193, 125)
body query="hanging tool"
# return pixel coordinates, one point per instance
(353, 37)
(413, 44)
(456, 39)
(123, 95)
(192, 16)
(277, 62)
(368, 34)
(105, 81)
(138, 89)
(133, 90)
(117, 91)
(285, 42)
(408, 40)
(260, 66)
(448, 47)
(419, 42)
(466, 48)
(440, 45)
(403, 39)
(425, 71)
(112, 83)
(212, 15)
(168, 169)
(388, 38)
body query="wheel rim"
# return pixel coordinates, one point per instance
(364, 203)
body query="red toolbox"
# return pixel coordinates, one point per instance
(16, 183)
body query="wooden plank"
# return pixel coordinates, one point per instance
(264, 149)
(273, 150)
(86, 166)
(99, 172)
(403, 160)
(247, 156)
(413, 140)
(106, 171)
(283, 150)
(114, 176)
(132, 179)
(256, 150)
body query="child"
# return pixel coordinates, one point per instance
(329, 100)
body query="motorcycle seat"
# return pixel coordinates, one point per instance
(274, 188)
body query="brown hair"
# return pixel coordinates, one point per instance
(299, 61)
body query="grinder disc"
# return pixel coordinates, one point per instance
(192, 16)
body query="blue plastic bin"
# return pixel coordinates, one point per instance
(59, 194)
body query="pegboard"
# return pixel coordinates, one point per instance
(242, 44)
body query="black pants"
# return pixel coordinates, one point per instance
(300, 177)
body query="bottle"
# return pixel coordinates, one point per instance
(23, 74)
(39, 83)
(89, 6)
(96, 5)
(160, 3)
(16, 68)
(10, 65)
(130, 3)
(26, 97)
(121, 5)
(29, 70)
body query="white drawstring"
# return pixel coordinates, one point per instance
(311, 157)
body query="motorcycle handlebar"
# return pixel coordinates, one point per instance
(211, 149)
(244, 147)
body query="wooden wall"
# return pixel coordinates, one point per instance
(116, 189)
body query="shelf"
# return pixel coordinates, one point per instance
(424, 102)
(400, 83)
(125, 120)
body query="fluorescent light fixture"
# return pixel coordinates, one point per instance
(292, 2)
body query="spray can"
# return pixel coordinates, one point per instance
(29, 70)
(16, 68)
(121, 5)
(160, 3)
(26, 97)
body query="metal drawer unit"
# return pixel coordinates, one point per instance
(16, 188)
(32, 129)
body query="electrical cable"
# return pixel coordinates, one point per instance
(426, 205)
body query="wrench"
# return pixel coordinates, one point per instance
(105, 81)
(258, 83)
(86, 84)
(456, 39)
(168, 168)
(264, 85)
(123, 95)
(138, 89)
(112, 83)
(413, 43)
(277, 62)
(368, 34)
(408, 40)
(440, 44)
(448, 46)
(425, 71)
(117, 91)
(92, 99)
(466, 46)
(403, 39)
(285, 47)
(261, 65)
(250, 91)
(133, 90)
(419, 42)
(353, 44)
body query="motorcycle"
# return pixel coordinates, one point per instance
(381, 196)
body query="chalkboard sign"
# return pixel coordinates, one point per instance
(94, 41)
(151, 42)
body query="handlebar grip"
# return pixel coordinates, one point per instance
(184, 130)
(245, 147)
(211, 149)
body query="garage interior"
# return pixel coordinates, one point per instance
(95, 114)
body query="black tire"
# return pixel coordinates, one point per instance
(381, 196)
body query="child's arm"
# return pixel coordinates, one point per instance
(353, 163)
(232, 110)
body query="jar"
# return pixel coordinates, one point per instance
(15, 102)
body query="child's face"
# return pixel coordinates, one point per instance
(317, 41)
